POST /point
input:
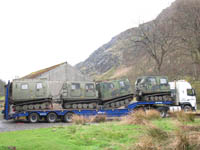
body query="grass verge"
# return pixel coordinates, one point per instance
(159, 134)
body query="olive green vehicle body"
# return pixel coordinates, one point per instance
(29, 90)
(93, 94)
(109, 90)
(75, 91)
(152, 86)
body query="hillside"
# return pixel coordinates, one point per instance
(168, 45)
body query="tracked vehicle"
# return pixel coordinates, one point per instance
(152, 88)
(108, 94)
(30, 94)
(115, 93)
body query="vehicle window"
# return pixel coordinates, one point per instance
(39, 86)
(163, 81)
(152, 81)
(138, 81)
(75, 86)
(122, 84)
(111, 86)
(89, 86)
(24, 86)
(190, 92)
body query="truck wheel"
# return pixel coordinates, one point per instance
(68, 117)
(33, 118)
(187, 108)
(51, 117)
(163, 113)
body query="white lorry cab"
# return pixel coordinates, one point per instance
(185, 95)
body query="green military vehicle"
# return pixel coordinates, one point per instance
(30, 94)
(152, 88)
(83, 95)
(79, 95)
(115, 93)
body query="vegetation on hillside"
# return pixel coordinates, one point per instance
(168, 45)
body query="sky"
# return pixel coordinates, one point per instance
(36, 34)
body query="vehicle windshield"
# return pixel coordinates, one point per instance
(191, 92)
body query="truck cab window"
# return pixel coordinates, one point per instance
(190, 92)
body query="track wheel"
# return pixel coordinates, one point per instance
(68, 117)
(33, 118)
(51, 117)
(146, 98)
(67, 106)
(160, 98)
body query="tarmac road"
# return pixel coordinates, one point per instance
(23, 125)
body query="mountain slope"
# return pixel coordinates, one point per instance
(122, 56)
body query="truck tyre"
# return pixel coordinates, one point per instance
(68, 117)
(163, 111)
(187, 108)
(33, 118)
(51, 117)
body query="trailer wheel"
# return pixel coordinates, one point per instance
(163, 111)
(51, 117)
(33, 118)
(68, 117)
(187, 108)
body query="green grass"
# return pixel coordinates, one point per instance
(88, 137)
(102, 136)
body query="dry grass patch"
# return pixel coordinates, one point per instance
(152, 114)
(138, 117)
(146, 143)
(183, 117)
(78, 119)
(157, 134)
(141, 117)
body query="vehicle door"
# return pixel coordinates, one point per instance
(90, 90)
(75, 90)
(40, 89)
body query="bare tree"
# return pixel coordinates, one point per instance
(158, 38)
(187, 18)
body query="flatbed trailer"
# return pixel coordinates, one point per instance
(51, 115)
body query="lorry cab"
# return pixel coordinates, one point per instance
(185, 94)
